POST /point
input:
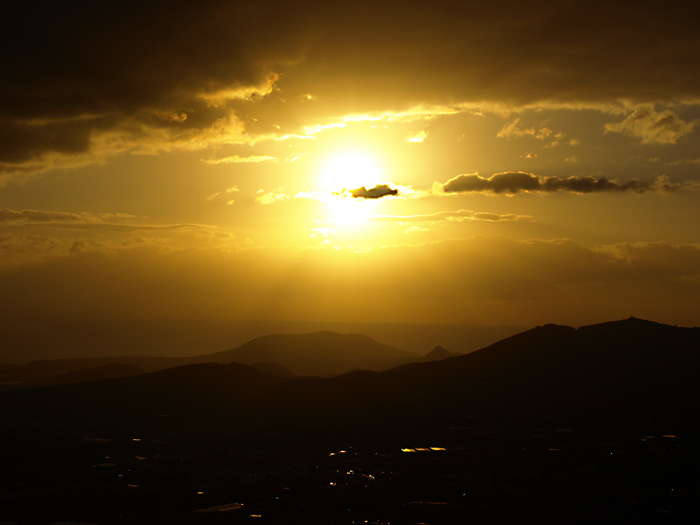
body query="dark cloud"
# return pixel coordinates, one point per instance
(379, 191)
(511, 182)
(20, 142)
(508, 182)
(182, 73)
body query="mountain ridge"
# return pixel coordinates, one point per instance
(549, 375)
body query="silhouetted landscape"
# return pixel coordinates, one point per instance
(414, 263)
(554, 424)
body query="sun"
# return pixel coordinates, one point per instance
(350, 171)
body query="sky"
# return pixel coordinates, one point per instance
(498, 162)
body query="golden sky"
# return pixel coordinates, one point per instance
(445, 162)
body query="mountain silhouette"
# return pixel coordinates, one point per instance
(275, 370)
(630, 373)
(188, 393)
(98, 373)
(437, 354)
(50, 368)
(319, 353)
(548, 426)
(625, 373)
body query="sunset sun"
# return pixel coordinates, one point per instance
(350, 170)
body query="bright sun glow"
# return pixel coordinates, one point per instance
(350, 171)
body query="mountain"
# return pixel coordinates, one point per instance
(437, 354)
(51, 368)
(319, 353)
(625, 373)
(98, 373)
(552, 425)
(184, 395)
(275, 370)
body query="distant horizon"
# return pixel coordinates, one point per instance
(71, 337)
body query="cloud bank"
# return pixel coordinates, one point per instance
(74, 90)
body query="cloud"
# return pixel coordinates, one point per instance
(238, 159)
(322, 232)
(232, 189)
(511, 182)
(116, 215)
(663, 184)
(664, 127)
(123, 228)
(85, 221)
(417, 137)
(390, 189)
(75, 91)
(315, 195)
(7, 215)
(276, 195)
(456, 216)
(515, 130)
(379, 191)
(682, 162)
(508, 182)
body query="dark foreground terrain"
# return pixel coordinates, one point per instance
(554, 425)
